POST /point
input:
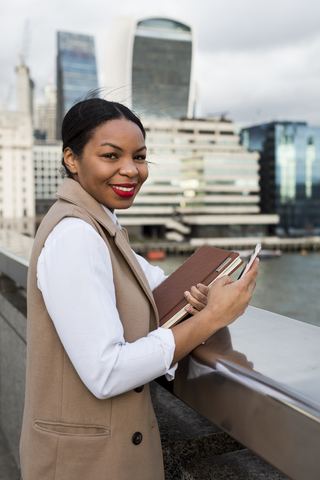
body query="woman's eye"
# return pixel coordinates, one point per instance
(141, 158)
(110, 155)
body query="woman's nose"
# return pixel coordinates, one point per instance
(128, 167)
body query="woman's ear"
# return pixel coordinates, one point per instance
(70, 160)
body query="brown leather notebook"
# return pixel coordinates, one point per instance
(204, 266)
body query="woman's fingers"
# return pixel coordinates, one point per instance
(228, 300)
(191, 309)
(197, 297)
(203, 289)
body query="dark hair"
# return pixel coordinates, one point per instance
(81, 121)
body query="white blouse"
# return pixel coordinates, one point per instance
(76, 280)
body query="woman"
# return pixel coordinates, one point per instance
(93, 338)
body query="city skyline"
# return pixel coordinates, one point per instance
(258, 62)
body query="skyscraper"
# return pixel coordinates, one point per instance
(149, 66)
(289, 173)
(25, 88)
(76, 71)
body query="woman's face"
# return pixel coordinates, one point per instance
(113, 164)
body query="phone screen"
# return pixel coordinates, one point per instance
(253, 255)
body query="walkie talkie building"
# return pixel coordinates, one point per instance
(150, 66)
(76, 71)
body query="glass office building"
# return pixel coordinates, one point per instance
(161, 68)
(150, 66)
(289, 173)
(76, 71)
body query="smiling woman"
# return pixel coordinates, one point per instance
(94, 340)
(112, 166)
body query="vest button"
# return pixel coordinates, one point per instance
(139, 389)
(137, 438)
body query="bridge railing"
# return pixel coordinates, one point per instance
(258, 379)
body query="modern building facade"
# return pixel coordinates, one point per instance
(46, 114)
(202, 183)
(149, 66)
(76, 71)
(289, 173)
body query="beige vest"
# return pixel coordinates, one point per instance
(68, 433)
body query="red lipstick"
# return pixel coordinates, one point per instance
(124, 189)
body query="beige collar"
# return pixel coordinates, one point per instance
(72, 192)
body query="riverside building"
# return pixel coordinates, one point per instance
(202, 183)
(289, 174)
(17, 211)
(76, 71)
(149, 66)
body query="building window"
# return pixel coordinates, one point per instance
(25, 214)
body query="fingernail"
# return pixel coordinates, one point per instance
(186, 293)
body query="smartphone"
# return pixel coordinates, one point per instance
(253, 255)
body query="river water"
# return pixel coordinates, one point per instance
(289, 285)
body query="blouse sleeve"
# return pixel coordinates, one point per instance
(76, 280)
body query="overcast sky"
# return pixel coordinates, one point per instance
(258, 60)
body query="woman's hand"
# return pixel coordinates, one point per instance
(197, 297)
(226, 301)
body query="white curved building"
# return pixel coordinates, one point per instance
(149, 66)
